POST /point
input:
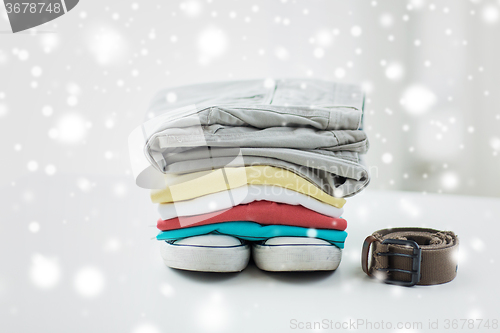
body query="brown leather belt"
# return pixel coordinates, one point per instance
(410, 256)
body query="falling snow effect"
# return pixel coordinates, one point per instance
(84, 184)
(387, 158)
(212, 43)
(167, 290)
(418, 99)
(49, 42)
(76, 239)
(107, 45)
(45, 272)
(191, 8)
(146, 328)
(47, 111)
(449, 180)
(32, 166)
(3, 110)
(34, 227)
(490, 14)
(89, 282)
(281, 53)
(71, 128)
(324, 38)
(386, 20)
(214, 315)
(394, 71)
(356, 31)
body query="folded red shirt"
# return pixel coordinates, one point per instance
(263, 212)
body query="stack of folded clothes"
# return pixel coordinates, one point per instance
(258, 166)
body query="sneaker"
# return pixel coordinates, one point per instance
(285, 254)
(206, 253)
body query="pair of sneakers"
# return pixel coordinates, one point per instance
(222, 253)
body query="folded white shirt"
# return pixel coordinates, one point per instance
(243, 195)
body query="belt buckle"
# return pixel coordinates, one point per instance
(416, 258)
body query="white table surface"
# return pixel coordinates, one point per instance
(108, 227)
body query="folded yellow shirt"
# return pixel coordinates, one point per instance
(197, 184)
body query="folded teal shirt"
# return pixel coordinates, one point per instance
(254, 232)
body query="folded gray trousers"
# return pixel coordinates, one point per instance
(310, 127)
(333, 172)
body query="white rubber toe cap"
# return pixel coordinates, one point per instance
(209, 240)
(207, 253)
(286, 254)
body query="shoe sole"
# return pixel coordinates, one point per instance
(223, 259)
(296, 257)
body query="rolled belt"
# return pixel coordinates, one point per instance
(410, 256)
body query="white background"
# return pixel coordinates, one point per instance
(72, 89)
(75, 232)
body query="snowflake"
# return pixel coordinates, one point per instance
(89, 282)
